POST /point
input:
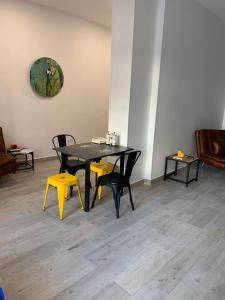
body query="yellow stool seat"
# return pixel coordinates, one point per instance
(100, 169)
(62, 182)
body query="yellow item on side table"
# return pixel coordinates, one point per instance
(62, 182)
(180, 154)
(100, 169)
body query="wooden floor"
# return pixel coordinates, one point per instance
(171, 247)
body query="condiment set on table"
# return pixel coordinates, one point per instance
(111, 139)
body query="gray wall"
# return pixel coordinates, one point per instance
(192, 79)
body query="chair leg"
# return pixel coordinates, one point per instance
(117, 201)
(100, 189)
(61, 199)
(46, 195)
(80, 196)
(131, 199)
(66, 193)
(95, 196)
(71, 191)
(96, 178)
(71, 187)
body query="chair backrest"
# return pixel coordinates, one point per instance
(130, 160)
(62, 140)
(2, 143)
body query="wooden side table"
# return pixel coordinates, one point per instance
(24, 152)
(187, 160)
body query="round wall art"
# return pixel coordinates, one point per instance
(46, 77)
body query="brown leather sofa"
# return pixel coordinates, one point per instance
(7, 161)
(205, 142)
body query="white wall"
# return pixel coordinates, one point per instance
(121, 62)
(192, 78)
(223, 124)
(148, 30)
(28, 32)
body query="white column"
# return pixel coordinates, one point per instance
(148, 34)
(154, 88)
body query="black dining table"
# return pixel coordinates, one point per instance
(89, 152)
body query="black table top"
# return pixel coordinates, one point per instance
(91, 151)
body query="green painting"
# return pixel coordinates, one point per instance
(46, 77)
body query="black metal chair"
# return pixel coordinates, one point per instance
(67, 165)
(117, 181)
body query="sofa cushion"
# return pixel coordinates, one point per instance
(6, 159)
(205, 139)
(213, 157)
(213, 162)
(219, 148)
(2, 143)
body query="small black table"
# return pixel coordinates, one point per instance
(24, 152)
(91, 152)
(187, 160)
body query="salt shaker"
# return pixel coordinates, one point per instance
(108, 137)
(114, 139)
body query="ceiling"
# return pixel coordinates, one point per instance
(215, 6)
(98, 11)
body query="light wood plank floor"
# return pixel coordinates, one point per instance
(172, 247)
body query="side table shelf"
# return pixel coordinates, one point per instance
(26, 165)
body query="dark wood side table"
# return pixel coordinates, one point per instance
(187, 160)
(24, 152)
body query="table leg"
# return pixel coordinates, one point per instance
(32, 157)
(165, 171)
(176, 166)
(87, 186)
(188, 173)
(26, 158)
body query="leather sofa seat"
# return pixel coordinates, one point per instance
(205, 148)
(7, 161)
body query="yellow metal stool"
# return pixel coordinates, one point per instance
(100, 169)
(62, 182)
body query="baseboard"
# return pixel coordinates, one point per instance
(154, 180)
(159, 178)
(137, 183)
(49, 158)
(46, 158)
(147, 182)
